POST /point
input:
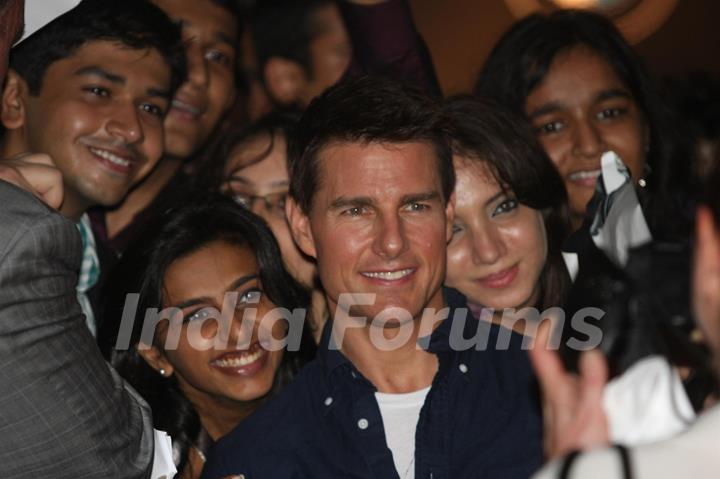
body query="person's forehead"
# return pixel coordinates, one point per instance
(382, 168)
(145, 67)
(201, 15)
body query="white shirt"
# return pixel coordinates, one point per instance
(695, 453)
(400, 414)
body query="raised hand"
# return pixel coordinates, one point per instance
(572, 404)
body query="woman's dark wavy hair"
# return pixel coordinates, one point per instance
(523, 56)
(206, 218)
(488, 134)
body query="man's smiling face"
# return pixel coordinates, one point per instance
(99, 115)
(379, 224)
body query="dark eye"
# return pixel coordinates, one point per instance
(456, 228)
(354, 211)
(418, 207)
(196, 315)
(549, 128)
(251, 296)
(611, 113)
(243, 200)
(218, 57)
(153, 110)
(505, 207)
(97, 91)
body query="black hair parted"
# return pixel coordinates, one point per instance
(201, 219)
(487, 134)
(135, 24)
(366, 109)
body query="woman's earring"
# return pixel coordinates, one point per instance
(647, 170)
(162, 372)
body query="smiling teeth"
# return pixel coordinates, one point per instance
(185, 107)
(110, 157)
(241, 361)
(389, 275)
(585, 175)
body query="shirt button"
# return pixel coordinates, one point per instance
(463, 368)
(363, 424)
(353, 374)
(328, 401)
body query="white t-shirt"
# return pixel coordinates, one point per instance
(400, 414)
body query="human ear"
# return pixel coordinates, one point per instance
(284, 80)
(13, 111)
(155, 358)
(300, 227)
(450, 217)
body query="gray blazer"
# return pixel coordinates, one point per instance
(64, 413)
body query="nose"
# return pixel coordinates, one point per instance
(390, 240)
(125, 124)
(197, 67)
(588, 142)
(488, 245)
(244, 324)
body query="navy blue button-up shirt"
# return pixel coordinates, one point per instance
(480, 419)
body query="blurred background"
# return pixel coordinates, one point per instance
(461, 33)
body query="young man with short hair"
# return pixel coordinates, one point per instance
(64, 412)
(389, 395)
(210, 29)
(91, 90)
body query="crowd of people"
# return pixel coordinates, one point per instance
(267, 235)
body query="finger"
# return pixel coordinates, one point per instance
(36, 159)
(593, 379)
(547, 364)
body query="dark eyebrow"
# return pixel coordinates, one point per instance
(495, 197)
(118, 80)
(612, 93)
(219, 35)
(418, 197)
(101, 72)
(204, 299)
(155, 93)
(225, 38)
(549, 107)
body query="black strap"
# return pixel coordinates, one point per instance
(567, 464)
(624, 461)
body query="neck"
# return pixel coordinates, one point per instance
(142, 195)
(73, 207)
(221, 417)
(395, 370)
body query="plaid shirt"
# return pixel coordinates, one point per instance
(89, 271)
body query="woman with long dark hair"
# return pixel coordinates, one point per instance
(584, 90)
(215, 356)
(510, 212)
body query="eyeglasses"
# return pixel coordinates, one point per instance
(274, 203)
